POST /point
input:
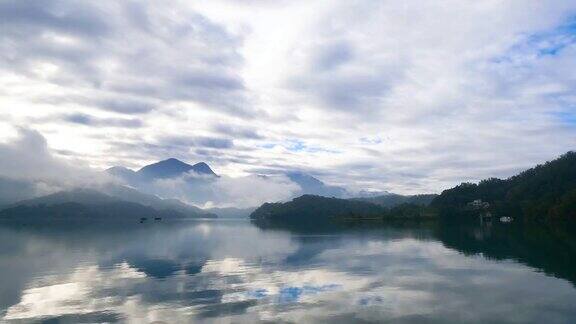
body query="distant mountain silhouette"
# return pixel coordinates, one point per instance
(312, 186)
(172, 168)
(166, 169)
(80, 196)
(120, 172)
(231, 212)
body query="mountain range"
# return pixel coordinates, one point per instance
(169, 168)
(200, 173)
(102, 201)
(137, 193)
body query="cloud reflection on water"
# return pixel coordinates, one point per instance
(218, 271)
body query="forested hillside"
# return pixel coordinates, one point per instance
(546, 192)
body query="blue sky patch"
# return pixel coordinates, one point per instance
(293, 294)
(545, 43)
(565, 117)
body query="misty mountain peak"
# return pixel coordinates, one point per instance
(304, 180)
(311, 185)
(202, 168)
(119, 170)
(123, 173)
(172, 167)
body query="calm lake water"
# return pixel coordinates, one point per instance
(231, 271)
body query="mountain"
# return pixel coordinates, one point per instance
(92, 204)
(231, 212)
(312, 186)
(80, 196)
(311, 210)
(196, 189)
(172, 168)
(144, 178)
(117, 210)
(123, 173)
(200, 189)
(392, 200)
(544, 193)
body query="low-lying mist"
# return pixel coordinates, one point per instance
(29, 168)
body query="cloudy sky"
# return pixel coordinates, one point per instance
(390, 95)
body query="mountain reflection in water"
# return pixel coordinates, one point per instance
(232, 271)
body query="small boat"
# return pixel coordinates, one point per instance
(506, 219)
(143, 219)
(157, 219)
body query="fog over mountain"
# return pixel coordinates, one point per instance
(29, 169)
(172, 167)
(200, 185)
(310, 185)
(205, 188)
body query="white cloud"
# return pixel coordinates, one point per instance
(28, 168)
(28, 157)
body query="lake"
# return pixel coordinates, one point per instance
(232, 271)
